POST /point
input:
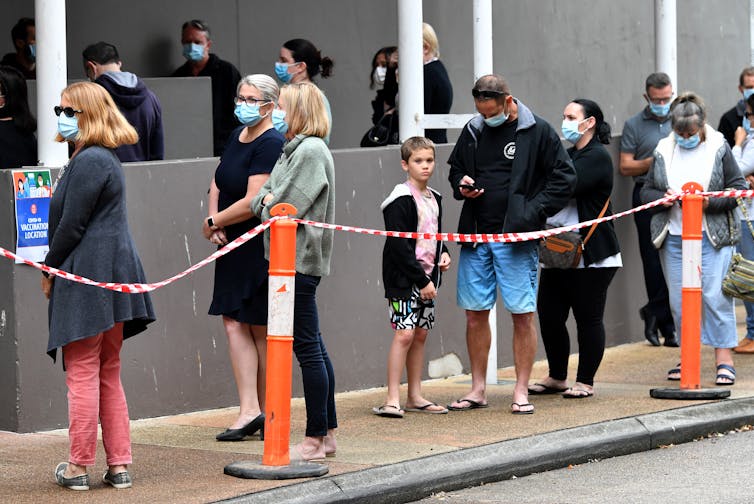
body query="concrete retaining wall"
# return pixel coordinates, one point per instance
(181, 364)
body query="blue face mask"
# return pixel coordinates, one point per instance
(281, 70)
(687, 143)
(747, 93)
(746, 125)
(571, 131)
(495, 121)
(31, 52)
(68, 127)
(659, 110)
(193, 52)
(278, 121)
(248, 114)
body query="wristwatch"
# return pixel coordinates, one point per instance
(211, 223)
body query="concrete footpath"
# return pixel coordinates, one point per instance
(176, 459)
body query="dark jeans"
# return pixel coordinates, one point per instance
(654, 280)
(584, 291)
(316, 368)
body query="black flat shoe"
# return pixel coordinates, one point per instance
(650, 326)
(247, 430)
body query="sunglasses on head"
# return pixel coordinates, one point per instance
(68, 111)
(486, 93)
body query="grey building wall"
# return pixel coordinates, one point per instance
(181, 364)
(551, 51)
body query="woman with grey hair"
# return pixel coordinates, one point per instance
(240, 292)
(696, 152)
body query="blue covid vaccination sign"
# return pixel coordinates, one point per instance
(32, 190)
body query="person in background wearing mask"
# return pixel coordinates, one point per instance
(196, 40)
(733, 118)
(382, 60)
(696, 152)
(24, 35)
(139, 105)
(640, 136)
(584, 126)
(18, 145)
(743, 153)
(511, 171)
(301, 61)
(240, 292)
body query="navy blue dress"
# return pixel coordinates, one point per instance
(241, 276)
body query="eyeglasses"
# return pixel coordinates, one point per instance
(68, 111)
(661, 101)
(249, 101)
(486, 94)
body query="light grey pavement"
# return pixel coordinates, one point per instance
(713, 470)
(176, 459)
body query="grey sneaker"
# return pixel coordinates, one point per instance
(76, 483)
(120, 480)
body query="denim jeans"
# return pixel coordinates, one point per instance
(316, 368)
(746, 249)
(718, 313)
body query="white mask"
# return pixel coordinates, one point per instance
(379, 76)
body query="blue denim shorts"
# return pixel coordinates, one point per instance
(511, 266)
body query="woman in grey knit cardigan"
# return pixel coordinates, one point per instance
(303, 177)
(89, 237)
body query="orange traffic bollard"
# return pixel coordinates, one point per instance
(691, 290)
(277, 424)
(691, 304)
(276, 463)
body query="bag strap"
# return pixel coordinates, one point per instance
(594, 226)
(742, 206)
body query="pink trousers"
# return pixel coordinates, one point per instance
(95, 392)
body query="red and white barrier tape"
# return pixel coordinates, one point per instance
(138, 287)
(447, 237)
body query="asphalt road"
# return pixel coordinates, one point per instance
(716, 469)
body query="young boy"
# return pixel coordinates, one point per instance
(411, 273)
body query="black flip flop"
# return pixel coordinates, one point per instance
(472, 405)
(546, 390)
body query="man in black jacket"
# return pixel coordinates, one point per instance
(196, 41)
(734, 117)
(512, 172)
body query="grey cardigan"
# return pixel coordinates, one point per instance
(89, 237)
(304, 177)
(723, 227)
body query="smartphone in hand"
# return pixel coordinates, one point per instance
(469, 187)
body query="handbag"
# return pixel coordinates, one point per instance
(385, 132)
(739, 279)
(563, 251)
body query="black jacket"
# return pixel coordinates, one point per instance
(400, 269)
(225, 78)
(542, 176)
(731, 120)
(594, 172)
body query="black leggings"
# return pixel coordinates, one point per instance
(584, 291)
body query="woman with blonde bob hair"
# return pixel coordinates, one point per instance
(88, 233)
(304, 177)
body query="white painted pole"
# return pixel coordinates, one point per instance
(751, 32)
(483, 66)
(52, 77)
(483, 38)
(666, 40)
(410, 68)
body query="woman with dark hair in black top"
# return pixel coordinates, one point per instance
(18, 145)
(384, 62)
(584, 126)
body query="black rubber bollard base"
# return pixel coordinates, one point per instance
(255, 470)
(689, 394)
